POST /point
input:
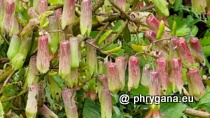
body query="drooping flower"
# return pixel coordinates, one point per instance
(195, 84)
(145, 80)
(153, 23)
(42, 6)
(32, 71)
(74, 51)
(150, 35)
(68, 13)
(121, 67)
(133, 72)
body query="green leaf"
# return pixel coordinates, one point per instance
(117, 113)
(140, 90)
(162, 6)
(59, 81)
(55, 90)
(10, 89)
(91, 109)
(172, 110)
(206, 50)
(54, 2)
(104, 36)
(204, 101)
(118, 26)
(126, 34)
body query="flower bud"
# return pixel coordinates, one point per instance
(68, 13)
(184, 52)
(154, 87)
(114, 82)
(86, 17)
(18, 61)
(54, 36)
(145, 81)
(9, 14)
(121, 67)
(199, 7)
(32, 101)
(153, 23)
(101, 67)
(14, 46)
(150, 35)
(42, 6)
(176, 74)
(32, 71)
(32, 12)
(91, 57)
(69, 103)
(43, 56)
(162, 68)
(195, 84)
(121, 4)
(133, 72)
(64, 59)
(74, 51)
(197, 50)
(105, 98)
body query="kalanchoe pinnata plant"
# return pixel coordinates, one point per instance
(196, 50)
(9, 14)
(121, 4)
(14, 46)
(195, 84)
(133, 72)
(104, 96)
(74, 51)
(121, 63)
(153, 23)
(184, 52)
(1, 13)
(145, 80)
(43, 55)
(114, 82)
(86, 17)
(69, 103)
(68, 13)
(162, 67)
(176, 74)
(73, 79)
(32, 101)
(150, 35)
(64, 59)
(46, 112)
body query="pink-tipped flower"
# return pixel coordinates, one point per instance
(153, 23)
(162, 68)
(154, 87)
(74, 51)
(1, 13)
(15, 28)
(69, 103)
(33, 13)
(58, 13)
(197, 50)
(32, 101)
(46, 112)
(121, 67)
(195, 84)
(150, 35)
(64, 60)
(9, 14)
(133, 72)
(42, 6)
(86, 17)
(32, 71)
(114, 82)
(121, 4)
(68, 13)
(184, 52)
(105, 98)
(43, 56)
(176, 74)
(91, 57)
(145, 80)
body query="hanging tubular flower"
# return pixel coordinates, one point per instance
(1, 13)
(184, 52)
(150, 35)
(195, 84)
(162, 68)
(32, 101)
(176, 74)
(196, 50)
(153, 23)
(121, 4)
(14, 46)
(91, 57)
(154, 87)
(68, 13)
(121, 67)
(73, 79)
(64, 60)
(42, 6)
(43, 56)
(69, 103)
(46, 112)
(32, 71)
(145, 81)
(9, 15)
(86, 17)
(114, 82)
(104, 96)
(74, 51)
(133, 72)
